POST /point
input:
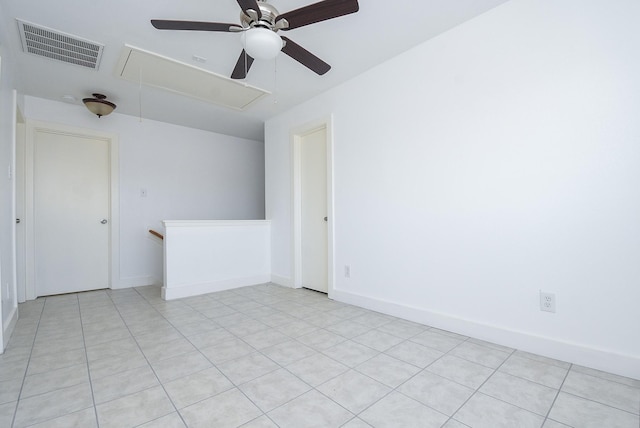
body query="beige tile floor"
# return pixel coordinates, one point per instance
(267, 356)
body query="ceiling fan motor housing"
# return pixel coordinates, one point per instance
(267, 20)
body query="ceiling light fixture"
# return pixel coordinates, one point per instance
(261, 43)
(98, 105)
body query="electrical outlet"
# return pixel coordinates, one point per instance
(547, 302)
(347, 271)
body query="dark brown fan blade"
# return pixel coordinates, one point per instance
(242, 66)
(162, 24)
(250, 4)
(305, 57)
(317, 12)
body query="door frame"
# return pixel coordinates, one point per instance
(34, 126)
(296, 135)
(20, 257)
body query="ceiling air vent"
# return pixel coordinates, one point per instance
(59, 46)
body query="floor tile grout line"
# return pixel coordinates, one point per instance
(515, 405)
(553, 403)
(477, 390)
(312, 388)
(578, 369)
(26, 369)
(55, 417)
(602, 404)
(148, 363)
(86, 355)
(531, 380)
(603, 379)
(519, 353)
(425, 369)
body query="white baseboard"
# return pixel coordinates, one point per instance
(281, 280)
(188, 290)
(600, 359)
(136, 281)
(9, 326)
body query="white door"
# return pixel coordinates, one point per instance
(71, 182)
(313, 175)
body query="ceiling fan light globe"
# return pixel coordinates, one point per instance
(261, 43)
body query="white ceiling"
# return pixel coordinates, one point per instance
(347, 43)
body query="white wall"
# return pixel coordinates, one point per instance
(188, 174)
(493, 161)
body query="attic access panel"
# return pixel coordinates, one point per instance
(148, 68)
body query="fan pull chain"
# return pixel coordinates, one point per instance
(140, 93)
(275, 81)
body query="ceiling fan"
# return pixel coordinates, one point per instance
(260, 22)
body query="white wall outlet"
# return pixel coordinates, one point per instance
(347, 271)
(547, 302)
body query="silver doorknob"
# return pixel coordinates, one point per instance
(103, 221)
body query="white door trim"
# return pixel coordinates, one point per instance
(296, 134)
(34, 126)
(19, 176)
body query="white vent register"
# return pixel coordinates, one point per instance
(59, 46)
(148, 68)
